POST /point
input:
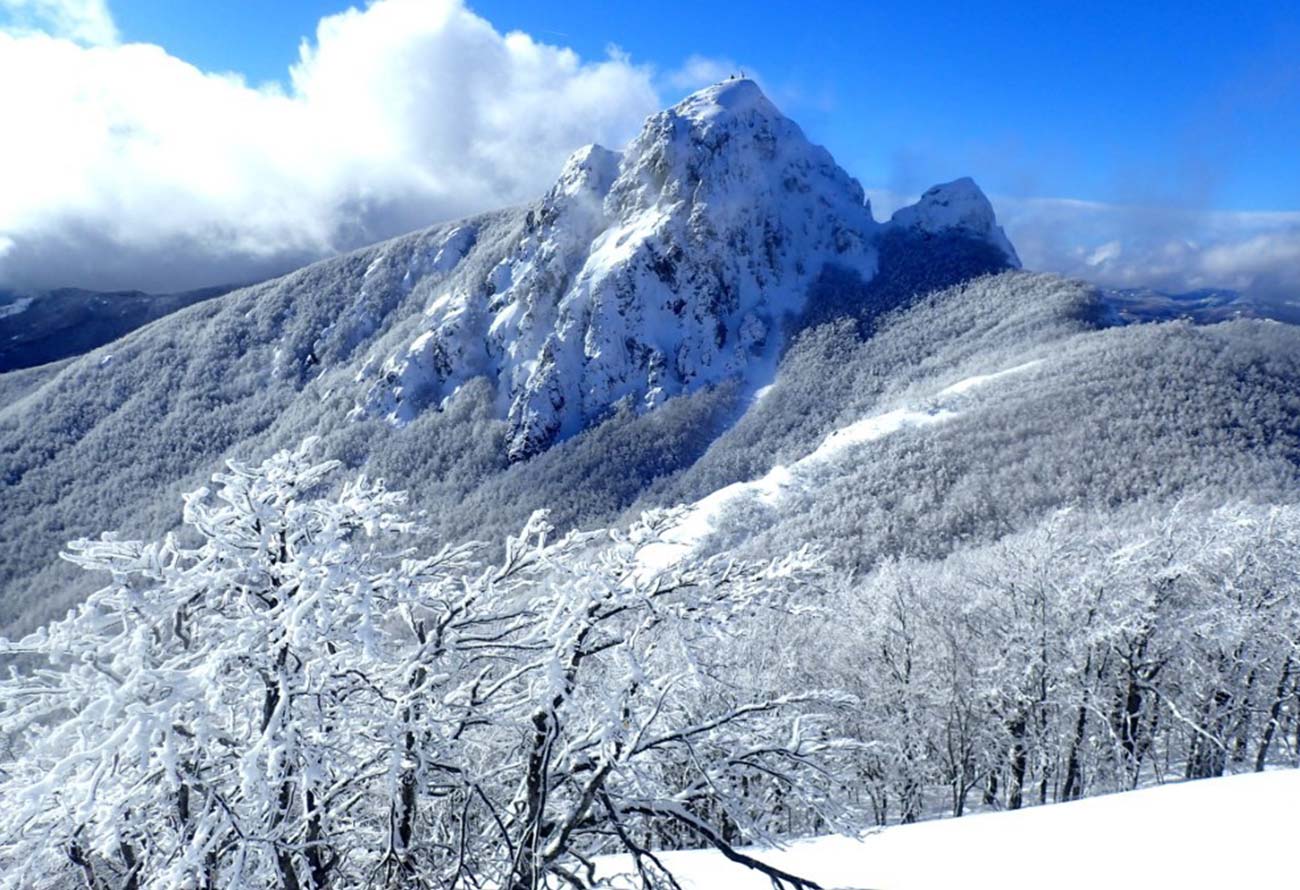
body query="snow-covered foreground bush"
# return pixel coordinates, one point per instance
(284, 697)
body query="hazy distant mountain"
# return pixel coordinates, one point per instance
(1135, 305)
(711, 316)
(45, 326)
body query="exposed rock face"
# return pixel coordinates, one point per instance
(652, 272)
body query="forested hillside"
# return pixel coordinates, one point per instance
(687, 506)
(260, 368)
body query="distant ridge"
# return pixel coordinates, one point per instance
(705, 307)
(46, 326)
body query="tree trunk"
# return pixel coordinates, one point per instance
(132, 872)
(318, 866)
(1208, 757)
(1018, 762)
(1274, 713)
(1241, 732)
(1073, 771)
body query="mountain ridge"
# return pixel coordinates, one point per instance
(40, 327)
(97, 443)
(654, 271)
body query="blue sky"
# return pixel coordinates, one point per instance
(174, 143)
(1188, 103)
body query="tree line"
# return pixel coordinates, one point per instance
(288, 694)
(1093, 653)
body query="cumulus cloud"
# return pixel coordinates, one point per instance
(124, 166)
(1169, 249)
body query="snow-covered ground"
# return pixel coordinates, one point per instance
(1236, 832)
(18, 306)
(699, 518)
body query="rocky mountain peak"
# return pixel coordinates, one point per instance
(651, 272)
(959, 206)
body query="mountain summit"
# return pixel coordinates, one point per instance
(957, 206)
(479, 360)
(652, 272)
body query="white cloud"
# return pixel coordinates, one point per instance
(124, 166)
(700, 71)
(1108, 252)
(1170, 249)
(85, 21)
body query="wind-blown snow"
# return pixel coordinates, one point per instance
(699, 518)
(1215, 833)
(17, 307)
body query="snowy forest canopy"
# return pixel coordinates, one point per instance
(728, 515)
(287, 694)
(301, 701)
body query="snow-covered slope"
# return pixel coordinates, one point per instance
(697, 520)
(1216, 833)
(707, 251)
(652, 272)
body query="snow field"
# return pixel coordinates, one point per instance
(1233, 832)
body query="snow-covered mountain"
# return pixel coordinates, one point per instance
(1033, 541)
(699, 310)
(957, 206)
(659, 270)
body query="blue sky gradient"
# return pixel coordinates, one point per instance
(176, 143)
(1191, 104)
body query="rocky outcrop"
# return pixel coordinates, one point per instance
(652, 272)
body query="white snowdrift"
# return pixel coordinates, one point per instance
(1234, 832)
(699, 518)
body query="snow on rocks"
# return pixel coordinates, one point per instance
(644, 274)
(653, 272)
(958, 205)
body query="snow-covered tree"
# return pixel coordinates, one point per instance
(1090, 653)
(282, 696)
